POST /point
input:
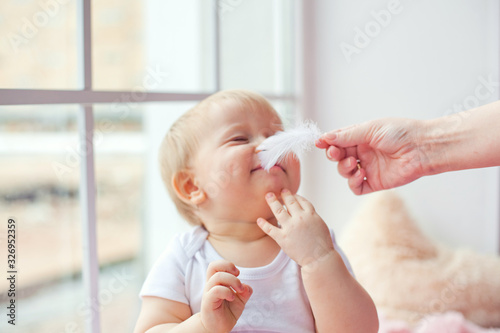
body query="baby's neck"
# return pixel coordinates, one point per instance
(245, 246)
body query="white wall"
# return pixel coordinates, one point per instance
(425, 62)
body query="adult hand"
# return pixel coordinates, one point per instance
(377, 155)
(224, 297)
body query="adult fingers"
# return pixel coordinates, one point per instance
(347, 137)
(347, 167)
(335, 154)
(320, 143)
(358, 184)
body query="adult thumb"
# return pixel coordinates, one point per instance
(348, 136)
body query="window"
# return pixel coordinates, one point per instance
(87, 91)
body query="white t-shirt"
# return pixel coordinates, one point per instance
(278, 304)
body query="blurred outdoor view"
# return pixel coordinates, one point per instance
(40, 159)
(40, 156)
(137, 46)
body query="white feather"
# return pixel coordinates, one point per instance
(274, 149)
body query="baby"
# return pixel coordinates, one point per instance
(259, 259)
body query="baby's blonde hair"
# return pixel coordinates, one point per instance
(182, 140)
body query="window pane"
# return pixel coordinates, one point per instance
(256, 49)
(120, 165)
(39, 170)
(38, 46)
(153, 45)
(117, 38)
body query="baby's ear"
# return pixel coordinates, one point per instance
(186, 189)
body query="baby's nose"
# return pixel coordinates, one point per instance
(259, 142)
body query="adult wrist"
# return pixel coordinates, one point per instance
(432, 146)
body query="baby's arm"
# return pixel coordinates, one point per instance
(224, 299)
(163, 315)
(337, 299)
(338, 302)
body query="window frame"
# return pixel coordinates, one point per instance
(85, 98)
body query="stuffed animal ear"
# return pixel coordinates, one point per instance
(185, 186)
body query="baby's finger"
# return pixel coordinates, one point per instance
(276, 207)
(221, 266)
(268, 228)
(224, 279)
(218, 293)
(291, 203)
(304, 203)
(245, 294)
(347, 167)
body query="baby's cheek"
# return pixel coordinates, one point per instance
(234, 168)
(293, 171)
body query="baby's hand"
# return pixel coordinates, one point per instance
(302, 233)
(224, 297)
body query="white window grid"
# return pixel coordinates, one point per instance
(86, 98)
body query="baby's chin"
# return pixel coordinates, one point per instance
(276, 185)
(278, 189)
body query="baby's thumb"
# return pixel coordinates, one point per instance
(245, 295)
(347, 137)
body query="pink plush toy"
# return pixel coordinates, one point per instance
(410, 277)
(448, 322)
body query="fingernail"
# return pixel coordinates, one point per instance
(348, 163)
(358, 173)
(269, 195)
(329, 153)
(331, 136)
(285, 191)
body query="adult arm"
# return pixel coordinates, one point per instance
(393, 152)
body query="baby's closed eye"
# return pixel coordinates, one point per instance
(241, 139)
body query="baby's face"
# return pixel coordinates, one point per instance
(228, 169)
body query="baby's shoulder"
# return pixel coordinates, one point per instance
(190, 242)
